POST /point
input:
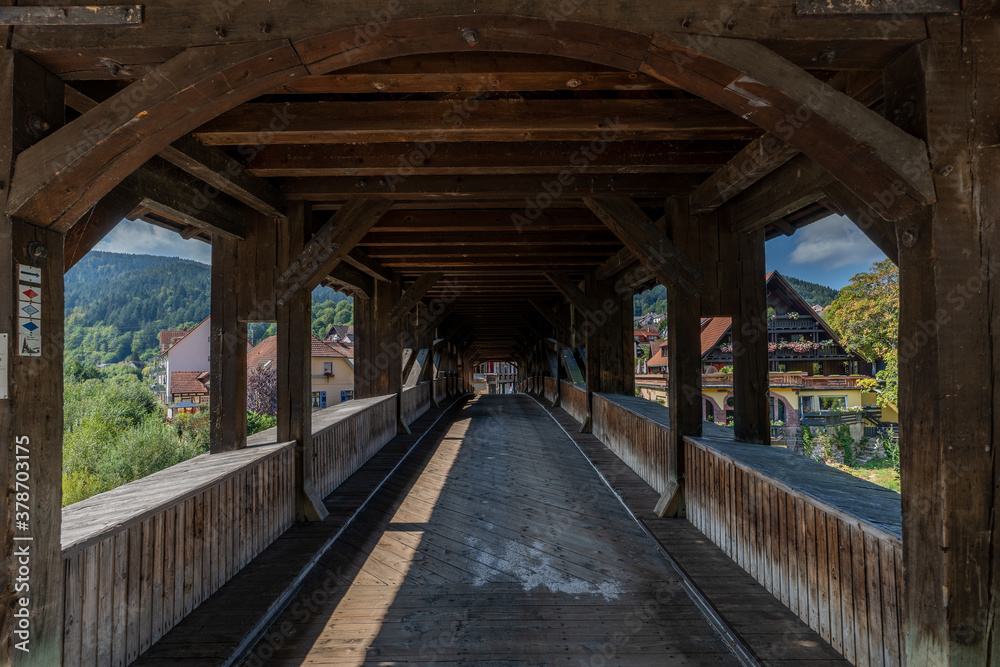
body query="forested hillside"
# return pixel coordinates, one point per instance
(816, 295)
(116, 305)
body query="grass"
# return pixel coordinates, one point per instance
(879, 471)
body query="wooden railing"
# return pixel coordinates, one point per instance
(626, 425)
(827, 544)
(416, 401)
(138, 559)
(347, 435)
(551, 389)
(574, 400)
(440, 389)
(831, 381)
(775, 380)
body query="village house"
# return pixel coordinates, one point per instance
(332, 368)
(810, 371)
(495, 377)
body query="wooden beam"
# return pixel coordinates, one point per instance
(573, 293)
(177, 195)
(228, 352)
(881, 232)
(98, 223)
(294, 370)
(102, 15)
(788, 189)
(878, 7)
(760, 157)
(751, 420)
(493, 120)
(621, 261)
(416, 29)
(535, 187)
(60, 178)
(649, 244)
(412, 295)
(331, 244)
(218, 170)
(31, 408)
(360, 260)
(358, 281)
(465, 157)
(684, 333)
(462, 80)
(879, 162)
(208, 164)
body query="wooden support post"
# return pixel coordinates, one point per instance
(31, 387)
(294, 370)
(684, 334)
(750, 367)
(608, 332)
(228, 386)
(378, 354)
(945, 91)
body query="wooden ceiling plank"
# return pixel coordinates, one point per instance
(368, 159)
(493, 120)
(536, 188)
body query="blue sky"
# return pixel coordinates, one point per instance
(142, 238)
(828, 252)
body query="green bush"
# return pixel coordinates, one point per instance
(891, 447)
(257, 423)
(808, 441)
(115, 433)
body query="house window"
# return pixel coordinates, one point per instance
(328, 368)
(807, 403)
(709, 411)
(777, 410)
(347, 395)
(832, 403)
(319, 399)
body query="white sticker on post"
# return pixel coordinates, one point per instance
(31, 275)
(4, 365)
(29, 345)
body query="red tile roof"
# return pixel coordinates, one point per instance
(712, 331)
(188, 382)
(267, 350)
(168, 338)
(658, 356)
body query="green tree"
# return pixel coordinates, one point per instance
(865, 315)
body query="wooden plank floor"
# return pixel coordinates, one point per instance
(765, 627)
(494, 544)
(215, 630)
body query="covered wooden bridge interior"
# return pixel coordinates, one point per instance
(493, 184)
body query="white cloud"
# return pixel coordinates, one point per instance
(833, 242)
(141, 238)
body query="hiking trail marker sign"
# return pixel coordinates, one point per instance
(29, 311)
